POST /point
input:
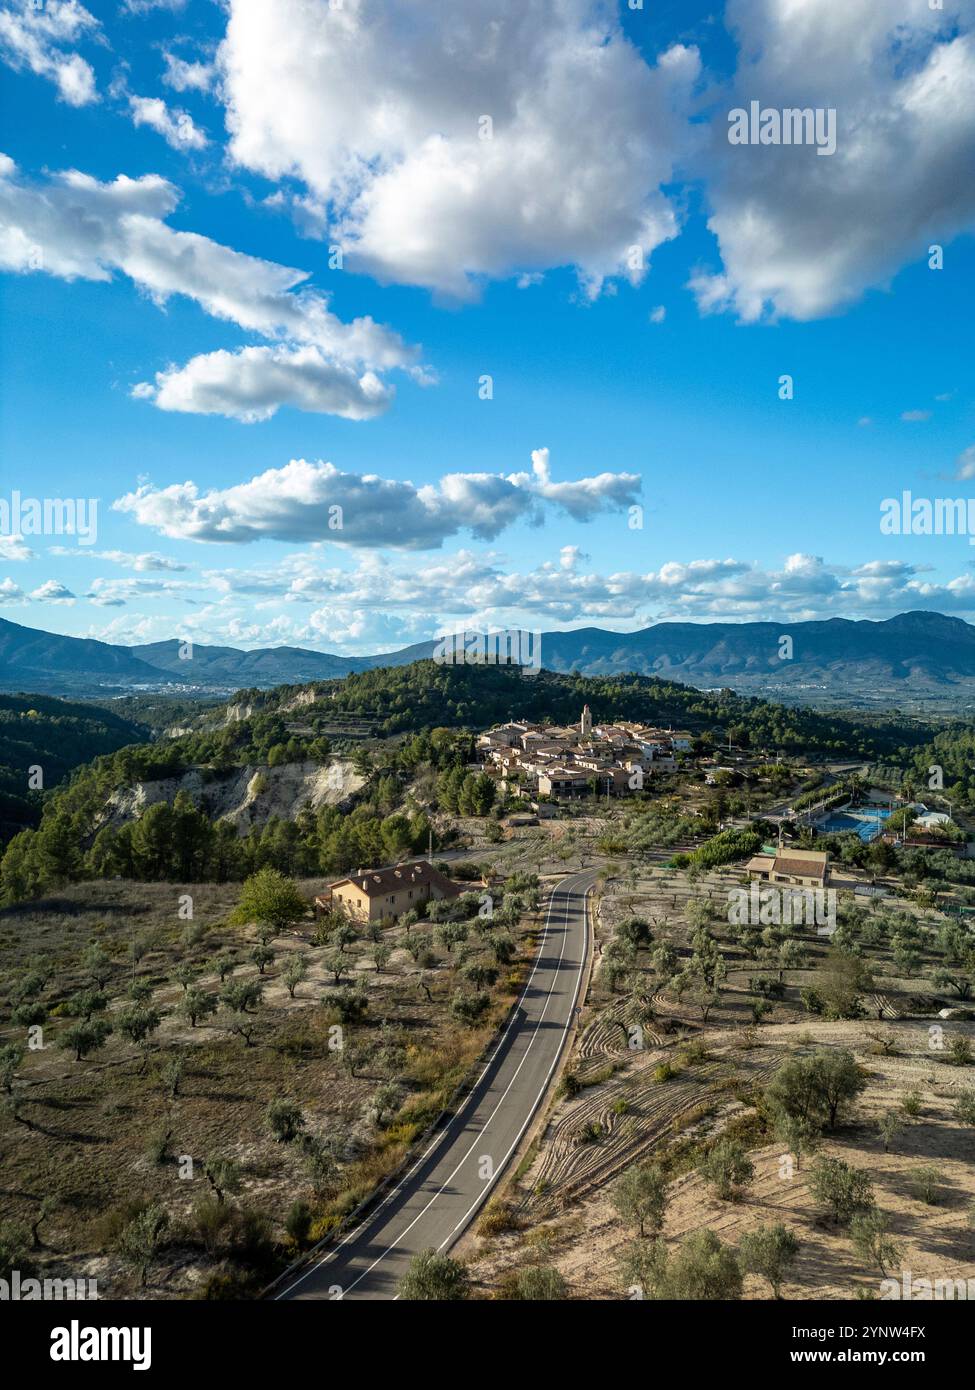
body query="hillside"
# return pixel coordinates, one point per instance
(425, 695)
(56, 737)
(316, 777)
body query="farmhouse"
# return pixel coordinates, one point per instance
(806, 867)
(374, 894)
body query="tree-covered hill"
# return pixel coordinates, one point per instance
(426, 695)
(54, 736)
(421, 719)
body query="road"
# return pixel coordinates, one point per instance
(438, 1197)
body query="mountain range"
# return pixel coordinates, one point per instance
(838, 659)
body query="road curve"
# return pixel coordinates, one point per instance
(436, 1199)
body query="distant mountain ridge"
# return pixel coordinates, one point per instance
(926, 646)
(909, 651)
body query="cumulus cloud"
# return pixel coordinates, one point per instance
(187, 76)
(15, 548)
(380, 602)
(176, 127)
(11, 592)
(800, 235)
(253, 383)
(583, 499)
(493, 138)
(74, 226)
(52, 591)
(38, 38)
(306, 501)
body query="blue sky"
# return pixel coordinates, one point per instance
(217, 408)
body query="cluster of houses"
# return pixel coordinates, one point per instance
(544, 763)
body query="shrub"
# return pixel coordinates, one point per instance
(285, 1120)
(297, 1223)
(498, 1217)
(640, 1197)
(870, 1233)
(140, 1239)
(842, 1190)
(537, 1283)
(433, 1277)
(210, 1222)
(701, 1269)
(470, 1008)
(85, 1038)
(346, 1004)
(925, 1185)
(769, 1251)
(727, 1168)
(242, 996)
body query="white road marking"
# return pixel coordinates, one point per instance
(441, 1137)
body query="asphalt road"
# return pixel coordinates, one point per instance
(438, 1197)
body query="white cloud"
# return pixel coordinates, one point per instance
(293, 504)
(380, 110)
(176, 127)
(252, 383)
(11, 592)
(915, 417)
(128, 629)
(142, 7)
(38, 37)
(14, 548)
(73, 226)
(658, 314)
(583, 499)
(801, 235)
(379, 603)
(186, 76)
(52, 591)
(113, 593)
(965, 463)
(146, 561)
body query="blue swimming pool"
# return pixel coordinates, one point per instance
(865, 823)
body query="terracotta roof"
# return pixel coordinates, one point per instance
(800, 868)
(376, 882)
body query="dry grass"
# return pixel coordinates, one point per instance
(86, 1128)
(694, 1081)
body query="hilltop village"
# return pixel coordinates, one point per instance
(545, 762)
